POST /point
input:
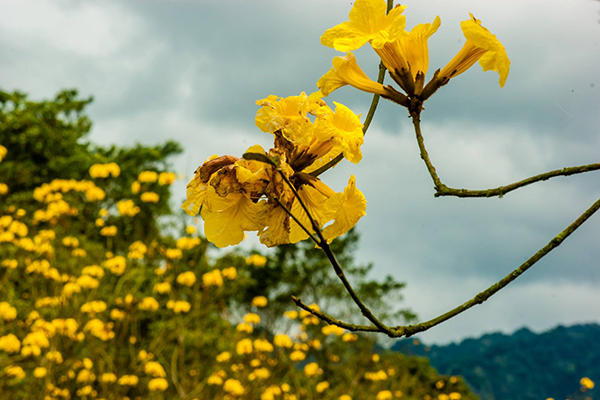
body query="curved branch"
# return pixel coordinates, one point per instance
(410, 330)
(442, 190)
(332, 321)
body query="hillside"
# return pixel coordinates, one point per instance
(521, 366)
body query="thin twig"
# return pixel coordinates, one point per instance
(333, 321)
(410, 330)
(442, 190)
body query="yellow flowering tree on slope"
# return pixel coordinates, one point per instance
(279, 193)
(98, 300)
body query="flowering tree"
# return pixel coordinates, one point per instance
(279, 193)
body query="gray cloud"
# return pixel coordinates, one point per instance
(191, 71)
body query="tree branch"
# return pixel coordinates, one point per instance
(410, 330)
(442, 190)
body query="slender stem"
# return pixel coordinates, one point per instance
(322, 242)
(489, 292)
(333, 321)
(340, 273)
(442, 190)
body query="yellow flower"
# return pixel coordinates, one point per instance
(135, 187)
(40, 372)
(3, 188)
(368, 23)
(55, 357)
(344, 397)
(252, 318)
(587, 383)
(128, 380)
(158, 385)
(148, 304)
(481, 46)
(187, 279)
(259, 301)
(223, 357)
(311, 369)
(214, 380)
(244, 346)
(234, 387)
(322, 386)
(346, 71)
(293, 314)
(99, 329)
(166, 178)
(282, 340)
(137, 250)
(108, 378)
(3, 152)
(117, 315)
(104, 170)
(147, 176)
(127, 208)
(229, 273)
(116, 265)
(212, 278)
(149, 197)
(248, 195)
(155, 369)
(10, 343)
(186, 243)
(10, 263)
(243, 327)
(15, 372)
(87, 282)
(7, 312)
(263, 345)
(108, 231)
(93, 307)
(384, 395)
(257, 260)
(181, 306)
(332, 330)
(162, 287)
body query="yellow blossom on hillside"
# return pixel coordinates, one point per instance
(108, 377)
(181, 306)
(212, 278)
(259, 301)
(223, 357)
(384, 395)
(587, 383)
(263, 345)
(40, 372)
(55, 357)
(3, 152)
(104, 170)
(229, 273)
(155, 369)
(244, 327)
(10, 343)
(166, 178)
(322, 386)
(3, 188)
(332, 330)
(162, 287)
(173, 254)
(14, 371)
(186, 243)
(252, 318)
(116, 265)
(117, 315)
(7, 312)
(108, 230)
(150, 197)
(149, 304)
(244, 346)
(147, 177)
(10, 263)
(233, 387)
(128, 380)
(186, 279)
(127, 208)
(69, 241)
(158, 385)
(99, 329)
(93, 307)
(190, 229)
(137, 250)
(257, 260)
(87, 282)
(282, 340)
(311, 369)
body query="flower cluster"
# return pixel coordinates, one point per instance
(237, 195)
(405, 54)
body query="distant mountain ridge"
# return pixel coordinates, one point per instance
(521, 366)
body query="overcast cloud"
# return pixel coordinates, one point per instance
(192, 70)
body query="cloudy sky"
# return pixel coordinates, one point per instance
(192, 70)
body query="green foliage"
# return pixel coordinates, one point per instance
(48, 285)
